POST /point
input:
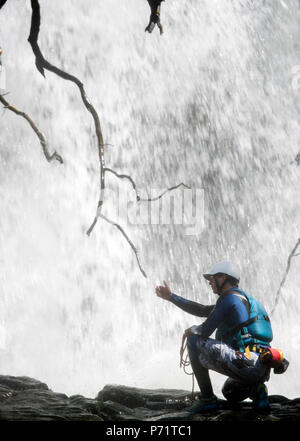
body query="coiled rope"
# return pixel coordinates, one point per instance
(185, 362)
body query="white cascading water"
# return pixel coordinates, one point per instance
(211, 104)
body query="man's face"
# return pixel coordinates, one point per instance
(212, 282)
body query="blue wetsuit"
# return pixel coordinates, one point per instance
(229, 309)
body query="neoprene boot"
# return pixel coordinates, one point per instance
(204, 405)
(260, 398)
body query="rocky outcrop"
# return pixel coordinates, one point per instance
(120, 403)
(26, 399)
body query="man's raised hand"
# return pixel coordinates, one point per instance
(163, 292)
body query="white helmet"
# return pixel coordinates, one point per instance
(224, 268)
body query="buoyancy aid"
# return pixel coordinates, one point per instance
(256, 330)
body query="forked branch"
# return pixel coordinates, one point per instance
(42, 64)
(43, 142)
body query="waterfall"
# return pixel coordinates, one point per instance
(211, 103)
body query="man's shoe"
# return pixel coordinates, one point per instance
(204, 405)
(260, 398)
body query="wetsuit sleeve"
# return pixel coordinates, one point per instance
(191, 307)
(229, 309)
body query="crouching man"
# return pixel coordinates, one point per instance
(241, 350)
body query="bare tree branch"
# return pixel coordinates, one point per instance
(138, 198)
(128, 240)
(2, 3)
(122, 176)
(39, 134)
(154, 16)
(166, 191)
(42, 64)
(289, 261)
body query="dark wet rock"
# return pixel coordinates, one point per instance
(27, 399)
(172, 404)
(278, 399)
(21, 383)
(132, 396)
(115, 409)
(119, 394)
(126, 403)
(172, 416)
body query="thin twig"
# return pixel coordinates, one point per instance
(39, 134)
(292, 254)
(163, 193)
(121, 176)
(138, 198)
(128, 240)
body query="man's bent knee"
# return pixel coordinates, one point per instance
(192, 341)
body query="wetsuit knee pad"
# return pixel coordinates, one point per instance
(192, 343)
(235, 391)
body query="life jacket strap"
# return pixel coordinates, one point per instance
(240, 326)
(260, 349)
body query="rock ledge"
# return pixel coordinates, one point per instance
(27, 399)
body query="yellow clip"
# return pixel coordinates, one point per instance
(247, 352)
(281, 355)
